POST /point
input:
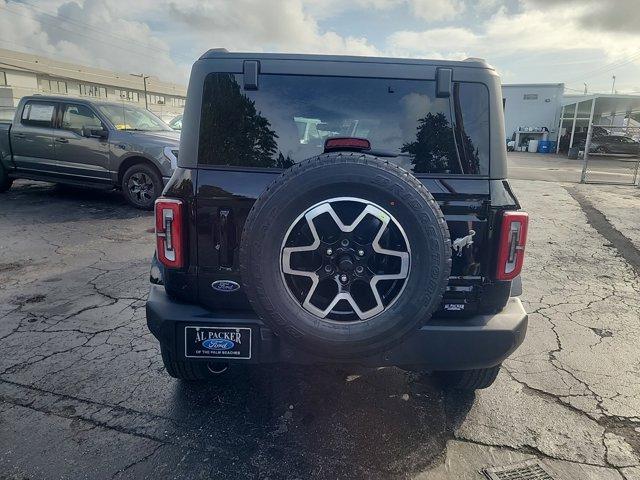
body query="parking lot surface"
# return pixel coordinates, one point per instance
(83, 393)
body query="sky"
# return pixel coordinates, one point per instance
(527, 41)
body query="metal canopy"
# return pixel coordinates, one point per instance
(581, 111)
(606, 104)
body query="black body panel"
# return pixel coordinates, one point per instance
(453, 344)
(219, 200)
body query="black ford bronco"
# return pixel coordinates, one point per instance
(332, 209)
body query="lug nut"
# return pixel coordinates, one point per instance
(345, 243)
(328, 269)
(361, 253)
(359, 269)
(329, 251)
(344, 278)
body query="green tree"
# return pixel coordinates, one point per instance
(232, 131)
(434, 149)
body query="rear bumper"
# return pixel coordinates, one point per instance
(443, 344)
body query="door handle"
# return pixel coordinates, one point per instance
(62, 140)
(19, 135)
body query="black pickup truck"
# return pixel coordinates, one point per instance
(95, 144)
(333, 209)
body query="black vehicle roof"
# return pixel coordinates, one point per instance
(223, 53)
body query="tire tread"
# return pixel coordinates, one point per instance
(258, 299)
(469, 379)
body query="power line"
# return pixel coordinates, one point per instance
(57, 16)
(85, 25)
(145, 54)
(607, 67)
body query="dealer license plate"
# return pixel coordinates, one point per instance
(217, 342)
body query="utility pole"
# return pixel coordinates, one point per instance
(144, 82)
(613, 86)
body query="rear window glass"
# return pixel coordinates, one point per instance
(289, 118)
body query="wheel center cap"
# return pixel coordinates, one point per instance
(346, 263)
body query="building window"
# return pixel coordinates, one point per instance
(61, 87)
(3, 79)
(156, 99)
(128, 95)
(178, 102)
(530, 96)
(53, 86)
(93, 90)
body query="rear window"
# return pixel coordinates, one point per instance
(289, 118)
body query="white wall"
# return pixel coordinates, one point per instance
(541, 112)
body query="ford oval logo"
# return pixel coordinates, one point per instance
(225, 286)
(218, 344)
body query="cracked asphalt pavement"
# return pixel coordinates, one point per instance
(83, 393)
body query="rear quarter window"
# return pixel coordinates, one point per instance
(289, 117)
(38, 114)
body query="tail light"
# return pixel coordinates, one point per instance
(513, 237)
(169, 232)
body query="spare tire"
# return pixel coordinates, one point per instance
(345, 254)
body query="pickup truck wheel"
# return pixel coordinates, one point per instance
(191, 371)
(469, 379)
(5, 181)
(345, 254)
(141, 185)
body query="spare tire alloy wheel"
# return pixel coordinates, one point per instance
(344, 255)
(346, 262)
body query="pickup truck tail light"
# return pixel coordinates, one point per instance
(169, 232)
(513, 237)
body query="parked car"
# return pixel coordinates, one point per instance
(176, 123)
(385, 235)
(79, 141)
(613, 144)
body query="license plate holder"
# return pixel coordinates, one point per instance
(217, 342)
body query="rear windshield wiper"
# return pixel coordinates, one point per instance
(382, 153)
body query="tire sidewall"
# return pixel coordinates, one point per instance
(413, 208)
(155, 178)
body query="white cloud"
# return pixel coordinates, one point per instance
(555, 30)
(116, 34)
(262, 26)
(428, 10)
(487, 5)
(94, 33)
(448, 41)
(163, 37)
(435, 10)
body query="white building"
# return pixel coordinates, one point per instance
(532, 106)
(23, 74)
